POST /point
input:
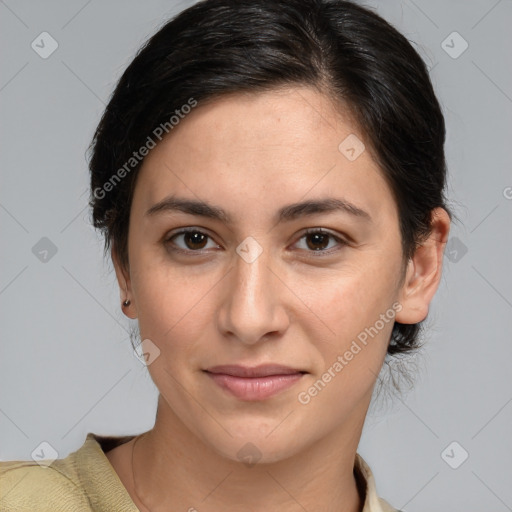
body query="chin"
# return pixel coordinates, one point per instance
(255, 447)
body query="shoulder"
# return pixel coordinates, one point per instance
(82, 482)
(27, 485)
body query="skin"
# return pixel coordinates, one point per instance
(293, 305)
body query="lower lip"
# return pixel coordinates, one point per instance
(254, 388)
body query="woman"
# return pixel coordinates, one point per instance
(269, 177)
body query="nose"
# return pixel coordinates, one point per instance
(253, 307)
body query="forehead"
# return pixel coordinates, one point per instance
(266, 146)
(286, 118)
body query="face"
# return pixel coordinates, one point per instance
(227, 268)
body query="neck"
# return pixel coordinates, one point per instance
(175, 470)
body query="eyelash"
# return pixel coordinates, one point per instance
(309, 231)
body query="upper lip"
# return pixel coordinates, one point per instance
(255, 371)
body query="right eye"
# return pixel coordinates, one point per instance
(192, 240)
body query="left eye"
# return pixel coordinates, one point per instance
(318, 240)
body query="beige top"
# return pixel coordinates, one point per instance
(85, 481)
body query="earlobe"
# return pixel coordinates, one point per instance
(124, 282)
(424, 270)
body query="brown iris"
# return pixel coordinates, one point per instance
(195, 239)
(317, 238)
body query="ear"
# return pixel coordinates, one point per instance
(423, 272)
(124, 282)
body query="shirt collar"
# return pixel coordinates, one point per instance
(372, 502)
(102, 485)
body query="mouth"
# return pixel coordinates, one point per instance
(254, 383)
(264, 370)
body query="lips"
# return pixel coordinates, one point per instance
(257, 371)
(254, 383)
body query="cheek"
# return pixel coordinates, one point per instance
(359, 310)
(354, 299)
(172, 306)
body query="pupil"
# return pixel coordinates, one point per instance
(319, 238)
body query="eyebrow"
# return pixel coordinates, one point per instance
(285, 214)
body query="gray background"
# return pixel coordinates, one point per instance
(66, 364)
